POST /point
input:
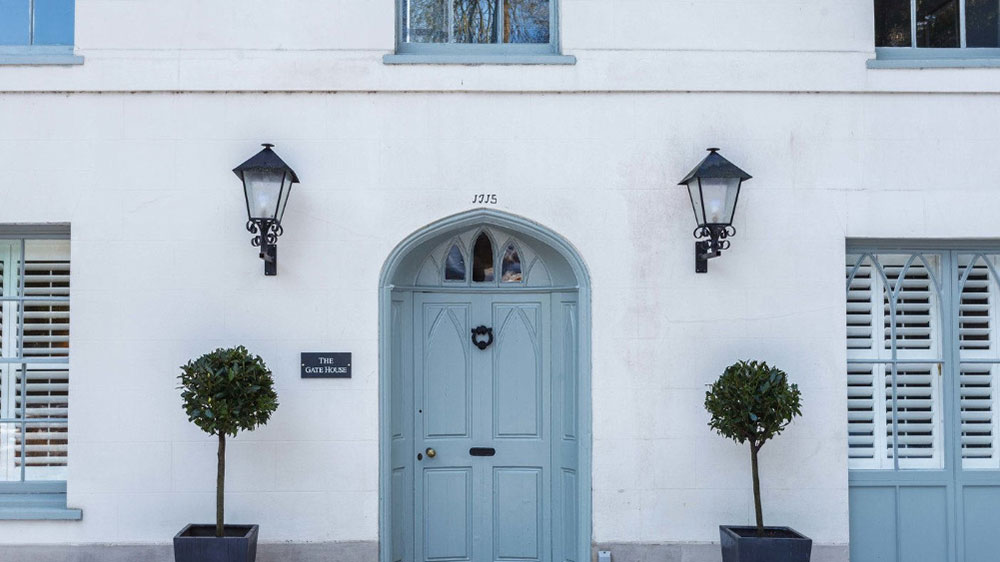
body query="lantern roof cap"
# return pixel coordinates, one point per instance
(265, 160)
(715, 166)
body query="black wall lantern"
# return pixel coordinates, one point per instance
(714, 189)
(267, 181)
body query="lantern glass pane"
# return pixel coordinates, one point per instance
(719, 195)
(263, 188)
(285, 192)
(695, 193)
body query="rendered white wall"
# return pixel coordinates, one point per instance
(622, 45)
(163, 271)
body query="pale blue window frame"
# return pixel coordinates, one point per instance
(498, 53)
(928, 57)
(23, 498)
(37, 32)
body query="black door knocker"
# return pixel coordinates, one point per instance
(482, 331)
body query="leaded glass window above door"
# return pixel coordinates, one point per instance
(483, 258)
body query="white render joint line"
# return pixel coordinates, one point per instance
(384, 50)
(457, 91)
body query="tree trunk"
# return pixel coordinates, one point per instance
(756, 490)
(220, 485)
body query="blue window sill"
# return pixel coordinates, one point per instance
(40, 514)
(908, 57)
(479, 59)
(38, 55)
(33, 501)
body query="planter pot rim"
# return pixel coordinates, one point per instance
(729, 529)
(251, 529)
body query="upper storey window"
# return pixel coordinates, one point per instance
(489, 22)
(937, 23)
(462, 31)
(37, 31)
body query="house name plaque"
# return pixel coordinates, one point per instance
(326, 365)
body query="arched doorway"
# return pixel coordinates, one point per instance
(484, 385)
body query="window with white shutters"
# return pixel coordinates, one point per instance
(34, 356)
(894, 359)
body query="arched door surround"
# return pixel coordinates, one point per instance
(484, 437)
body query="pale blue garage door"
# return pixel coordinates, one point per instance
(923, 354)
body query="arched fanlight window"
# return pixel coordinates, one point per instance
(510, 267)
(454, 265)
(482, 260)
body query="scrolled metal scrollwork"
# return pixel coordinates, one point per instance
(267, 232)
(715, 232)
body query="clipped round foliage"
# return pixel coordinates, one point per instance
(753, 402)
(227, 390)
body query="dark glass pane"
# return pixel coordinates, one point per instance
(511, 266)
(475, 21)
(482, 260)
(937, 23)
(892, 23)
(982, 28)
(526, 21)
(454, 265)
(425, 21)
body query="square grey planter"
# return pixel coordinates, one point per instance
(198, 543)
(780, 544)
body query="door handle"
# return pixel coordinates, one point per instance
(431, 453)
(482, 451)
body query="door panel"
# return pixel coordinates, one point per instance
(923, 523)
(447, 370)
(448, 513)
(517, 513)
(517, 372)
(982, 512)
(873, 524)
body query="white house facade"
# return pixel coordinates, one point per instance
(511, 165)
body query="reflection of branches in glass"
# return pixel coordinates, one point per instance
(526, 21)
(892, 23)
(425, 21)
(981, 23)
(937, 23)
(475, 21)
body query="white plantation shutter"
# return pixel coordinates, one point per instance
(859, 304)
(913, 307)
(979, 354)
(918, 408)
(35, 400)
(893, 327)
(866, 435)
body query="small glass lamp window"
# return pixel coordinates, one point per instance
(454, 265)
(482, 260)
(511, 266)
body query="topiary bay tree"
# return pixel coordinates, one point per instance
(751, 403)
(225, 392)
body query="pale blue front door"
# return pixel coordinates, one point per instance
(482, 451)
